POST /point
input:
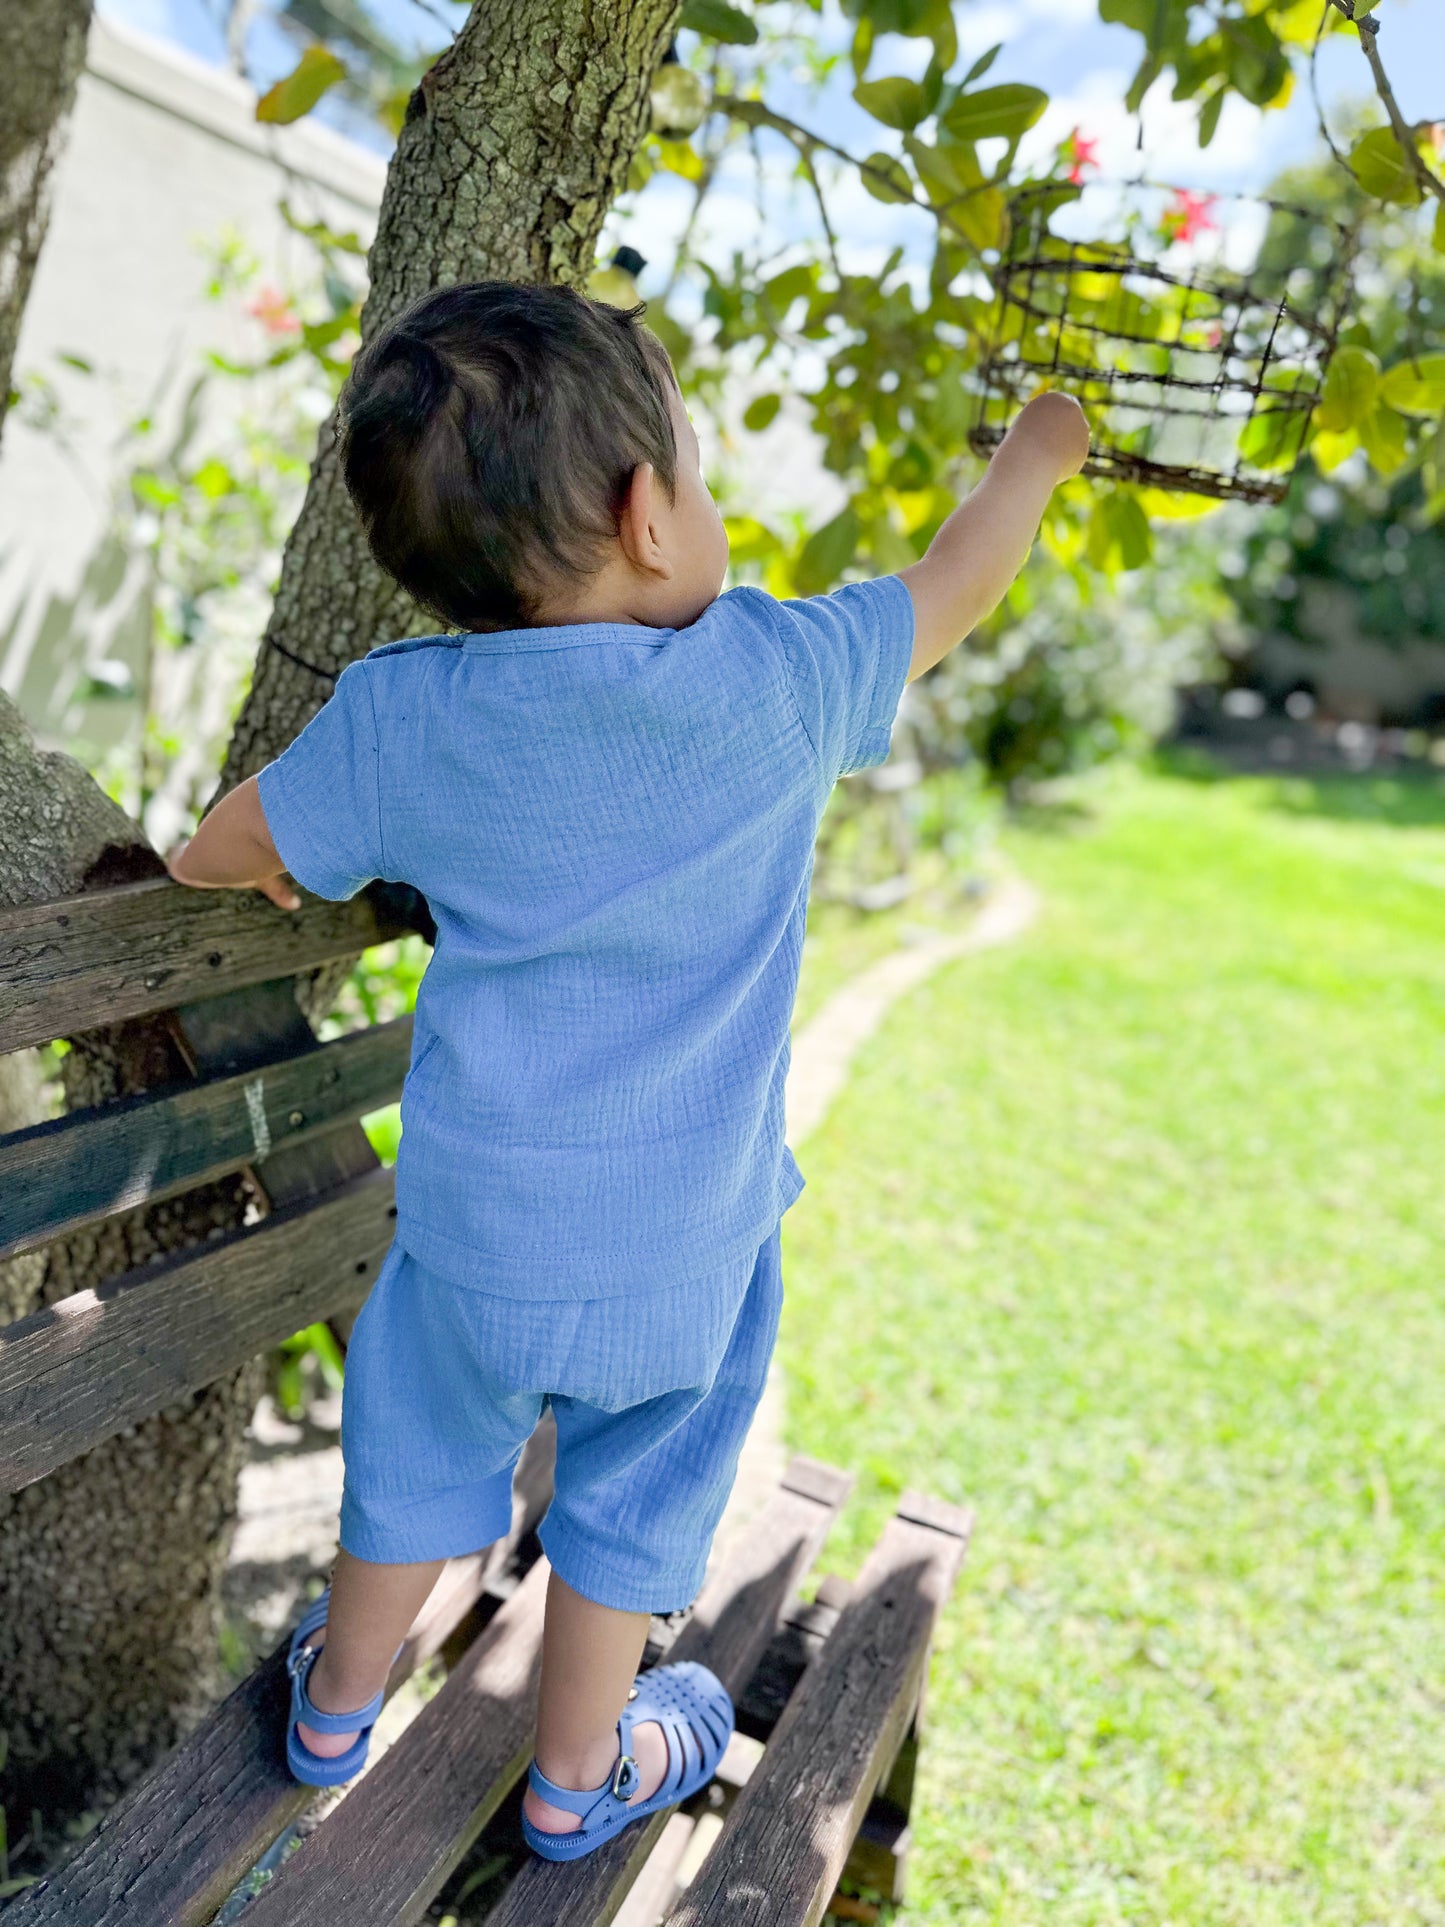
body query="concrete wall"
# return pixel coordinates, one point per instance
(164, 156)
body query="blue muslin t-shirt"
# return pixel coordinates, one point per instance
(614, 828)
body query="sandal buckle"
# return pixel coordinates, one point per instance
(625, 1777)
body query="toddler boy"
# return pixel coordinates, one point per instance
(606, 778)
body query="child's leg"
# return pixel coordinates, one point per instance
(643, 1488)
(372, 1608)
(590, 1656)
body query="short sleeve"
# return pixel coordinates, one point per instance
(848, 656)
(321, 796)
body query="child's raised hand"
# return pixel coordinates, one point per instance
(1055, 424)
(985, 542)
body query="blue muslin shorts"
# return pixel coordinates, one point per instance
(653, 1393)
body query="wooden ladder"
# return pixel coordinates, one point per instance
(818, 1781)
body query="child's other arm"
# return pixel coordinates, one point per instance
(985, 542)
(232, 850)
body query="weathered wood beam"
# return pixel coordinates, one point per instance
(81, 962)
(169, 1852)
(62, 1174)
(787, 1838)
(74, 1374)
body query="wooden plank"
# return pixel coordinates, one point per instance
(78, 1372)
(84, 961)
(787, 1838)
(91, 1164)
(736, 1616)
(393, 1841)
(653, 1891)
(167, 1854)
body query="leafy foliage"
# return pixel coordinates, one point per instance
(883, 360)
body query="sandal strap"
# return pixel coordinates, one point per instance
(310, 1714)
(616, 1789)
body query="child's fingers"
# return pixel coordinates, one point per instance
(282, 892)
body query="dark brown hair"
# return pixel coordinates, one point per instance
(487, 439)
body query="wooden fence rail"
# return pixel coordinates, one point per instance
(72, 965)
(90, 1164)
(101, 1360)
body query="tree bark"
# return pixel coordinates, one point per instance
(110, 1569)
(515, 145)
(42, 49)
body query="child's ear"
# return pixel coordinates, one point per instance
(638, 522)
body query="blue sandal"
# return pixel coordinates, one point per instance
(312, 1769)
(692, 1707)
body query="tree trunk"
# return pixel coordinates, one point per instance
(42, 48)
(109, 1569)
(515, 145)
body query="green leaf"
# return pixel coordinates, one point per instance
(1383, 439)
(761, 411)
(750, 540)
(1209, 117)
(1350, 392)
(1271, 438)
(826, 553)
(895, 101)
(982, 217)
(1415, 387)
(1129, 526)
(981, 66)
(1138, 14)
(783, 290)
(719, 22)
(1381, 166)
(886, 178)
(1008, 110)
(1439, 234)
(942, 171)
(315, 72)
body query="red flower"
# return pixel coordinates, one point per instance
(271, 308)
(1187, 215)
(1080, 151)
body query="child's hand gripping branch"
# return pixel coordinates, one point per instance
(607, 780)
(985, 542)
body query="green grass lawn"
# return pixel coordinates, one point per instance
(1132, 1235)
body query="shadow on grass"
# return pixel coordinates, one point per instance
(1403, 799)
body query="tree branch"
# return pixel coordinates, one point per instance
(1367, 26)
(806, 158)
(754, 113)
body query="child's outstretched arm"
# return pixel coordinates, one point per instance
(985, 542)
(232, 850)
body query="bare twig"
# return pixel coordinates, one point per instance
(754, 113)
(806, 158)
(683, 251)
(1368, 27)
(1328, 137)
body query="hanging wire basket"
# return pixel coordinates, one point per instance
(1197, 374)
